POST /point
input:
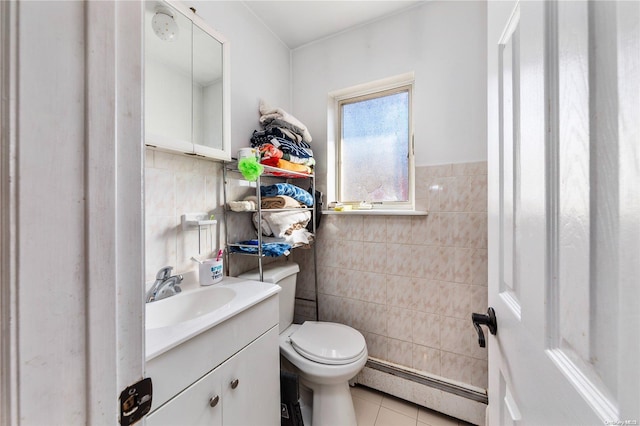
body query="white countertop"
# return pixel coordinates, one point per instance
(248, 294)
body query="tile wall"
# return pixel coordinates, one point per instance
(174, 185)
(410, 283)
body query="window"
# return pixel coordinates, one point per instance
(374, 148)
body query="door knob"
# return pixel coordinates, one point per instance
(488, 319)
(234, 383)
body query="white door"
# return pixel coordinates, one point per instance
(71, 224)
(564, 212)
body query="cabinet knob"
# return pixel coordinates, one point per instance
(234, 384)
(214, 401)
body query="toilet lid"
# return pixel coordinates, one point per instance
(328, 343)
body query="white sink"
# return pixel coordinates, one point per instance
(177, 319)
(186, 306)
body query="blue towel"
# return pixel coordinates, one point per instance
(287, 189)
(268, 249)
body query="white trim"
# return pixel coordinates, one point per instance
(552, 175)
(114, 194)
(8, 216)
(373, 86)
(335, 97)
(376, 212)
(590, 391)
(511, 26)
(512, 303)
(628, 64)
(100, 221)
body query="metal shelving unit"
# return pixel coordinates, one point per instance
(229, 171)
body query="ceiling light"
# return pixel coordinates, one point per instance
(164, 25)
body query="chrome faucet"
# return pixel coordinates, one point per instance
(165, 285)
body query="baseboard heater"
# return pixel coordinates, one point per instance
(442, 385)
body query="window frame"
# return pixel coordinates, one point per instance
(372, 91)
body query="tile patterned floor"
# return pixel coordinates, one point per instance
(375, 408)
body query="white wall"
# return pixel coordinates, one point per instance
(259, 64)
(444, 43)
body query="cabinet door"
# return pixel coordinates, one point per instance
(251, 383)
(187, 107)
(196, 405)
(211, 134)
(168, 78)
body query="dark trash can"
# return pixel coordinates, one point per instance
(290, 413)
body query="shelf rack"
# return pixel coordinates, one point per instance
(269, 172)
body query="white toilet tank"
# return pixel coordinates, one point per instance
(284, 274)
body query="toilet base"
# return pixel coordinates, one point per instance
(331, 404)
(306, 404)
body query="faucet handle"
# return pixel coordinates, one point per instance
(170, 287)
(164, 273)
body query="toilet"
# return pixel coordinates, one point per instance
(325, 355)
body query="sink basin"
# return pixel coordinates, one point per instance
(186, 306)
(177, 319)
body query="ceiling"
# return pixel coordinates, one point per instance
(299, 22)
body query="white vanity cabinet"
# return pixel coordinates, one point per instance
(186, 81)
(236, 360)
(238, 392)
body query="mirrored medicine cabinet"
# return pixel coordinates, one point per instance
(186, 82)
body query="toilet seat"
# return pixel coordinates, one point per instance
(328, 343)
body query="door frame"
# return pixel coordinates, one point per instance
(104, 179)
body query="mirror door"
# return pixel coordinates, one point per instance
(207, 89)
(168, 78)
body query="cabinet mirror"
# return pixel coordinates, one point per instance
(186, 82)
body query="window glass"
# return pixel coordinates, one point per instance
(374, 147)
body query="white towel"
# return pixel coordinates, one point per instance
(278, 223)
(284, 119)
(242, 206)
(249, 203)
(297, 238)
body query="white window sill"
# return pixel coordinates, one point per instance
(378, 212)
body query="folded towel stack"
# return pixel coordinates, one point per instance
(289, 190)
(281, 223)
(249, 204)
(279, 202)
(278, 118)
(283, 219)
(283, 141)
